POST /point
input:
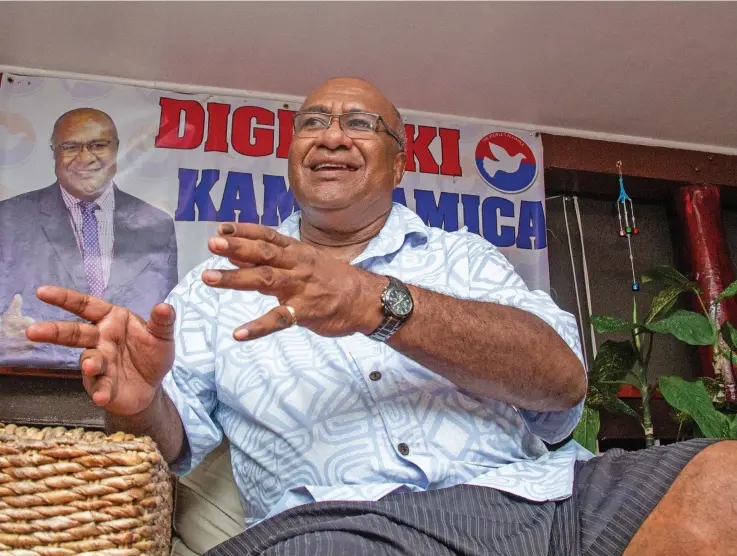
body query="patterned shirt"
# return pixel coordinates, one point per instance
(104, 216)
(311, 418)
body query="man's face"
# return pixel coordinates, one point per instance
(373, 166)
(85, 154)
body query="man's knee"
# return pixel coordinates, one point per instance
(710, 465)
(706, 490)
(705, 487)
(697, 514)
(719, 450)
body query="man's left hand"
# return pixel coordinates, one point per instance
(329, 296)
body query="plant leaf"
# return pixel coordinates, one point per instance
(604, 324)
(687, 326)
(729, 333)
(665, 275)
(587, 429)
(711, 385)
(665, 300)
(613, 361)
(598, 394)
(731, 291)
(693, 399)
(615, 405)
(683, 418)
(633, 380)
(733, 428)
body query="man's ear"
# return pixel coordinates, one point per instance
(400, 162)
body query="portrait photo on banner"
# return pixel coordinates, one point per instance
(114, 189)
(83, 231)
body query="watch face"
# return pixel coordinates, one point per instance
(398, 302)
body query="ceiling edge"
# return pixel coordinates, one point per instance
(220, 91)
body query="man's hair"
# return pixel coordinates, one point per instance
(401, 133)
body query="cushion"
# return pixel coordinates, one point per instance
(207, 508)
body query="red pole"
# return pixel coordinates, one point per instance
(706, 258)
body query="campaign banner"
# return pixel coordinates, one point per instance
(162, 169)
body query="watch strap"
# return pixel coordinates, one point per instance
(390, 323)
(387, 327)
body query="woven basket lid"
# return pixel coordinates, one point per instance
(65, 492)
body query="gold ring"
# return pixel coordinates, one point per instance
(293, 313)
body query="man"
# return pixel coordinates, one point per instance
(369, 415)
(83, 233)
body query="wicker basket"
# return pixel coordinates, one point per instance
(66, 492)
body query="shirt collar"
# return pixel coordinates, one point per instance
(106, 201)
(400, 225)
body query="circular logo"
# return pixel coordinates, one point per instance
(506, 162)
(17, 138)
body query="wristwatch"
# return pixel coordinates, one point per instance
(397, 304)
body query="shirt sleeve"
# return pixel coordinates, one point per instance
(191, 382)
(492, 278)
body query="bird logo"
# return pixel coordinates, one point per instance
(506, 162)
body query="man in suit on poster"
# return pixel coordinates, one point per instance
(81, 232)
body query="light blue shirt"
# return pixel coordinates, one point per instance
(307, 423)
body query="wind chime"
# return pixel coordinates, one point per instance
(628, 229)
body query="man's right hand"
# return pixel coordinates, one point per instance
(125, 358)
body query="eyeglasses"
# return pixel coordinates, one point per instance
(356, 125)
(93, 147)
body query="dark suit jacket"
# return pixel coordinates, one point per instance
(37, 247)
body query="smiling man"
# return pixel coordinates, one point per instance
(386, 387)
(82, 232)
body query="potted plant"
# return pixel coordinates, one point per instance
(628, 361)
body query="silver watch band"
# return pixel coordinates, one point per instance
(388, 327)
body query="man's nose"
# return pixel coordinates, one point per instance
(85, 156)
(334, 137)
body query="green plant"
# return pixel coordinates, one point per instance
(694, 401)
(613, 363)
(702, 401)
(628, 361)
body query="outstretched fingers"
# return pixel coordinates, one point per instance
(86, 306)
(277, 319)
(255, 232)
(71, 334)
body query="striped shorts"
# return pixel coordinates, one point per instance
(612, 496)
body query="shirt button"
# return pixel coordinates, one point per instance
(375, 375)
(403, 449)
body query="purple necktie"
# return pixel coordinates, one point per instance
(91, 248)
